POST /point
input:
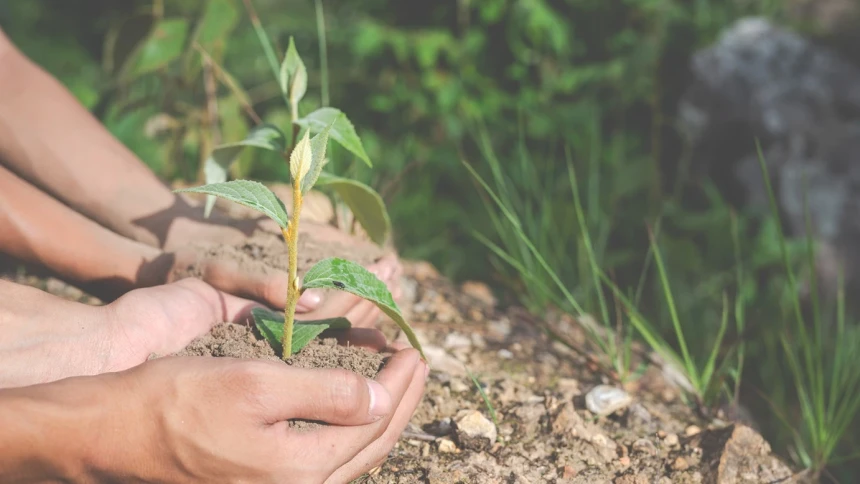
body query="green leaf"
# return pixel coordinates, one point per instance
(217, 166)
(164, 44)
(294, 76)
(271, 326)
(219, 19)
(344, 275)
(342, 131)
(248, 193)
(319, 143)
(364, 202)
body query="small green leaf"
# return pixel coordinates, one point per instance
(364, 202)
(164, 44)
(217, 166)
(342, 130)
(271, 326)
(248, 193)
(294, 76)
(219, 18)
(344, 275)
(319, 143)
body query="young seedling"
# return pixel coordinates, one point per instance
(306, 161)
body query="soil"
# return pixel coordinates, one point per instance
(536, 386)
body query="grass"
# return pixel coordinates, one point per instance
(822, 359)
(818, 349)
(541, 284)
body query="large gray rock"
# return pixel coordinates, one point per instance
(803, 103)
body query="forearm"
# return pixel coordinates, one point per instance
(49, 139)
(36, 228)
(44, 434)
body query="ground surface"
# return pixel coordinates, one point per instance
(537, 387)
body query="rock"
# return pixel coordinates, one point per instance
(447, 446)
(680, 464)
(692, 430)
(505, 354)
(440, 428)
(441, 361)
(604, 399)
(479, 291)
(474, 431)
(638, 414)
(645, 446)
(737, 454)
(671, 440)
(457, 340)
(803, 102)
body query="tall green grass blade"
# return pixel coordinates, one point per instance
(673, 312)
(321, 36)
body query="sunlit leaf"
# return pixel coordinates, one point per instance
(248, 193)
(344, 275)
(218, 20)
(271, 326)
(164, 44)
(364, 202)
(301, 159)
(217, 166)
(342, 130)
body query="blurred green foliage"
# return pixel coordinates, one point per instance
(430, 84)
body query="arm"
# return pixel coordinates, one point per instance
(49, 139)
(38, 229)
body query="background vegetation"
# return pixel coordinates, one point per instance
(565, 108)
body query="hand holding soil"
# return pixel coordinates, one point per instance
(208, 420)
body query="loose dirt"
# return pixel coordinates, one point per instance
(543, 432)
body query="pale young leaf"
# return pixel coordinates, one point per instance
(294, 75)
(344, 275)
(319, 143)
(248, 193)
(301, 159)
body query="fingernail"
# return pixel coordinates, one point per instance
(380, 400)
(311, 298)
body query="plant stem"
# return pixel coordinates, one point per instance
(291, 235)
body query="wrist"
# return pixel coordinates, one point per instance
(47, 433)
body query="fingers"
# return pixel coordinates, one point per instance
(375, 453)
(346, 442)
(337, 397)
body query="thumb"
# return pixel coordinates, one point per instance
(334, 396)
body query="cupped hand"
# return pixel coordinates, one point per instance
(45, 338)
(270, 287)
(196, 419)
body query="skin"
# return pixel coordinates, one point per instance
(102, 192)
(183, 419)
(79, 399)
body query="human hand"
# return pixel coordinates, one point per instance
(196, 419)
(270, 286)
(46, 338)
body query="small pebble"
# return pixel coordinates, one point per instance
(624, 461)
(505, 354)
(692, 430)
(447, 446)
(603, 400)
(457, 340)
(644, 446)
(680, 464)
(474, 430)
(671, 440)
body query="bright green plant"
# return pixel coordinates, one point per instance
(306, 160)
